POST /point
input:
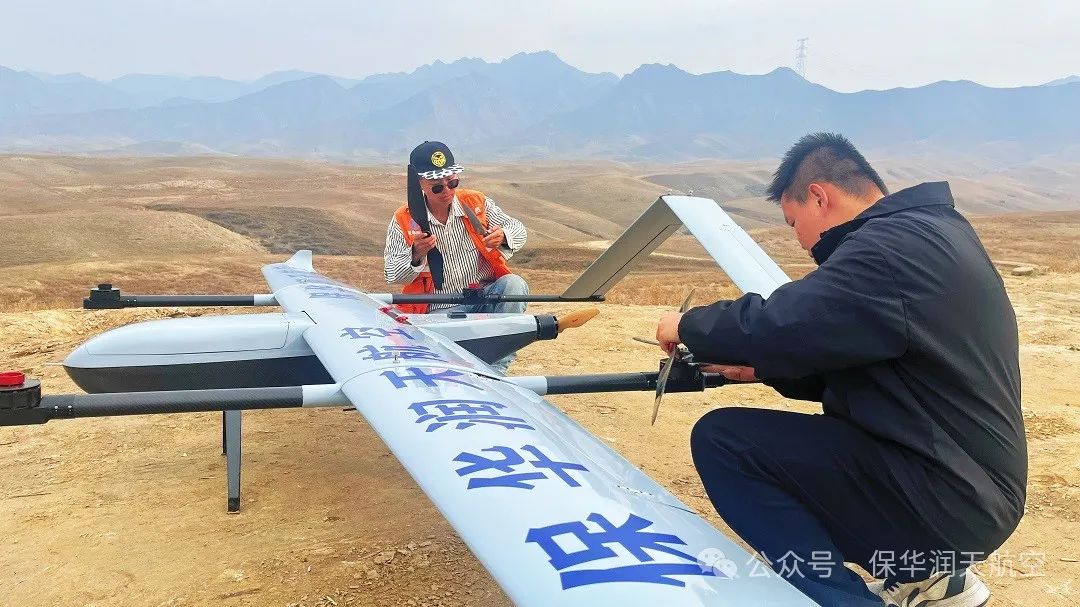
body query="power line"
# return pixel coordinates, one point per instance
(800, 57)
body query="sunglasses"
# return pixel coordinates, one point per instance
(438, 187)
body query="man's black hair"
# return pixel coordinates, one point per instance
(823, 157)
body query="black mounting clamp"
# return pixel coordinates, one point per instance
(103, 297)
(473, 295)
(20, 400)
(687, 374)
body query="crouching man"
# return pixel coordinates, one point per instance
(917, 467)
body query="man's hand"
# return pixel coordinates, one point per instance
(495, 238)
(667, 331)
(420, 247)
(732, 372)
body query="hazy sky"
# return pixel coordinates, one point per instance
(854, 44)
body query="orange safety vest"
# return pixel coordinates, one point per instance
(424, 283)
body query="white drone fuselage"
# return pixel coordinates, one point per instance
(258, 350)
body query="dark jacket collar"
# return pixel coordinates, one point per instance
(922, 195)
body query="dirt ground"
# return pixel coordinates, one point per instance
(131, 511)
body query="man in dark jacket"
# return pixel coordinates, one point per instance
(904, 333)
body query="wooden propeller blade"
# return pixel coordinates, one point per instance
(576, 319)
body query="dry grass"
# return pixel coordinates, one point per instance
(560, 202)
(114, 234)
(288, 229)
(1050, 240)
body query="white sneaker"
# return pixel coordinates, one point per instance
(961, 589)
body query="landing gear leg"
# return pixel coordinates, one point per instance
(230, 445)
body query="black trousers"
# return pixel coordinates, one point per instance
(810, 492)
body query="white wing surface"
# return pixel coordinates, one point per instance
(748, 266)
(556, 516)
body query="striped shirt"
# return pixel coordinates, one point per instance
(463, 263)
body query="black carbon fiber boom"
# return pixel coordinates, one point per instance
(689, 381)
(61, 406)
(107, 297)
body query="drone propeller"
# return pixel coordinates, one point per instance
(575, 319)
(665, 371)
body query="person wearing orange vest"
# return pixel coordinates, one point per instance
(474, 236)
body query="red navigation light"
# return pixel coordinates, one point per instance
(11, 379)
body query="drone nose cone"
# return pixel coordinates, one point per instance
(11, 379)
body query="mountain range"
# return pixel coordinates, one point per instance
(531, 105)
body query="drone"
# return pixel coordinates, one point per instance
(556, 515)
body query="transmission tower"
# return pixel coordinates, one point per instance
(800, 57)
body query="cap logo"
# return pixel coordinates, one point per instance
(438, 159)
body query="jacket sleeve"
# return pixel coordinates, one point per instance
(804, 388)
(397, 257)
(847, 313)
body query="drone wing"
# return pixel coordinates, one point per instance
(556, 515)
(748, 266)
